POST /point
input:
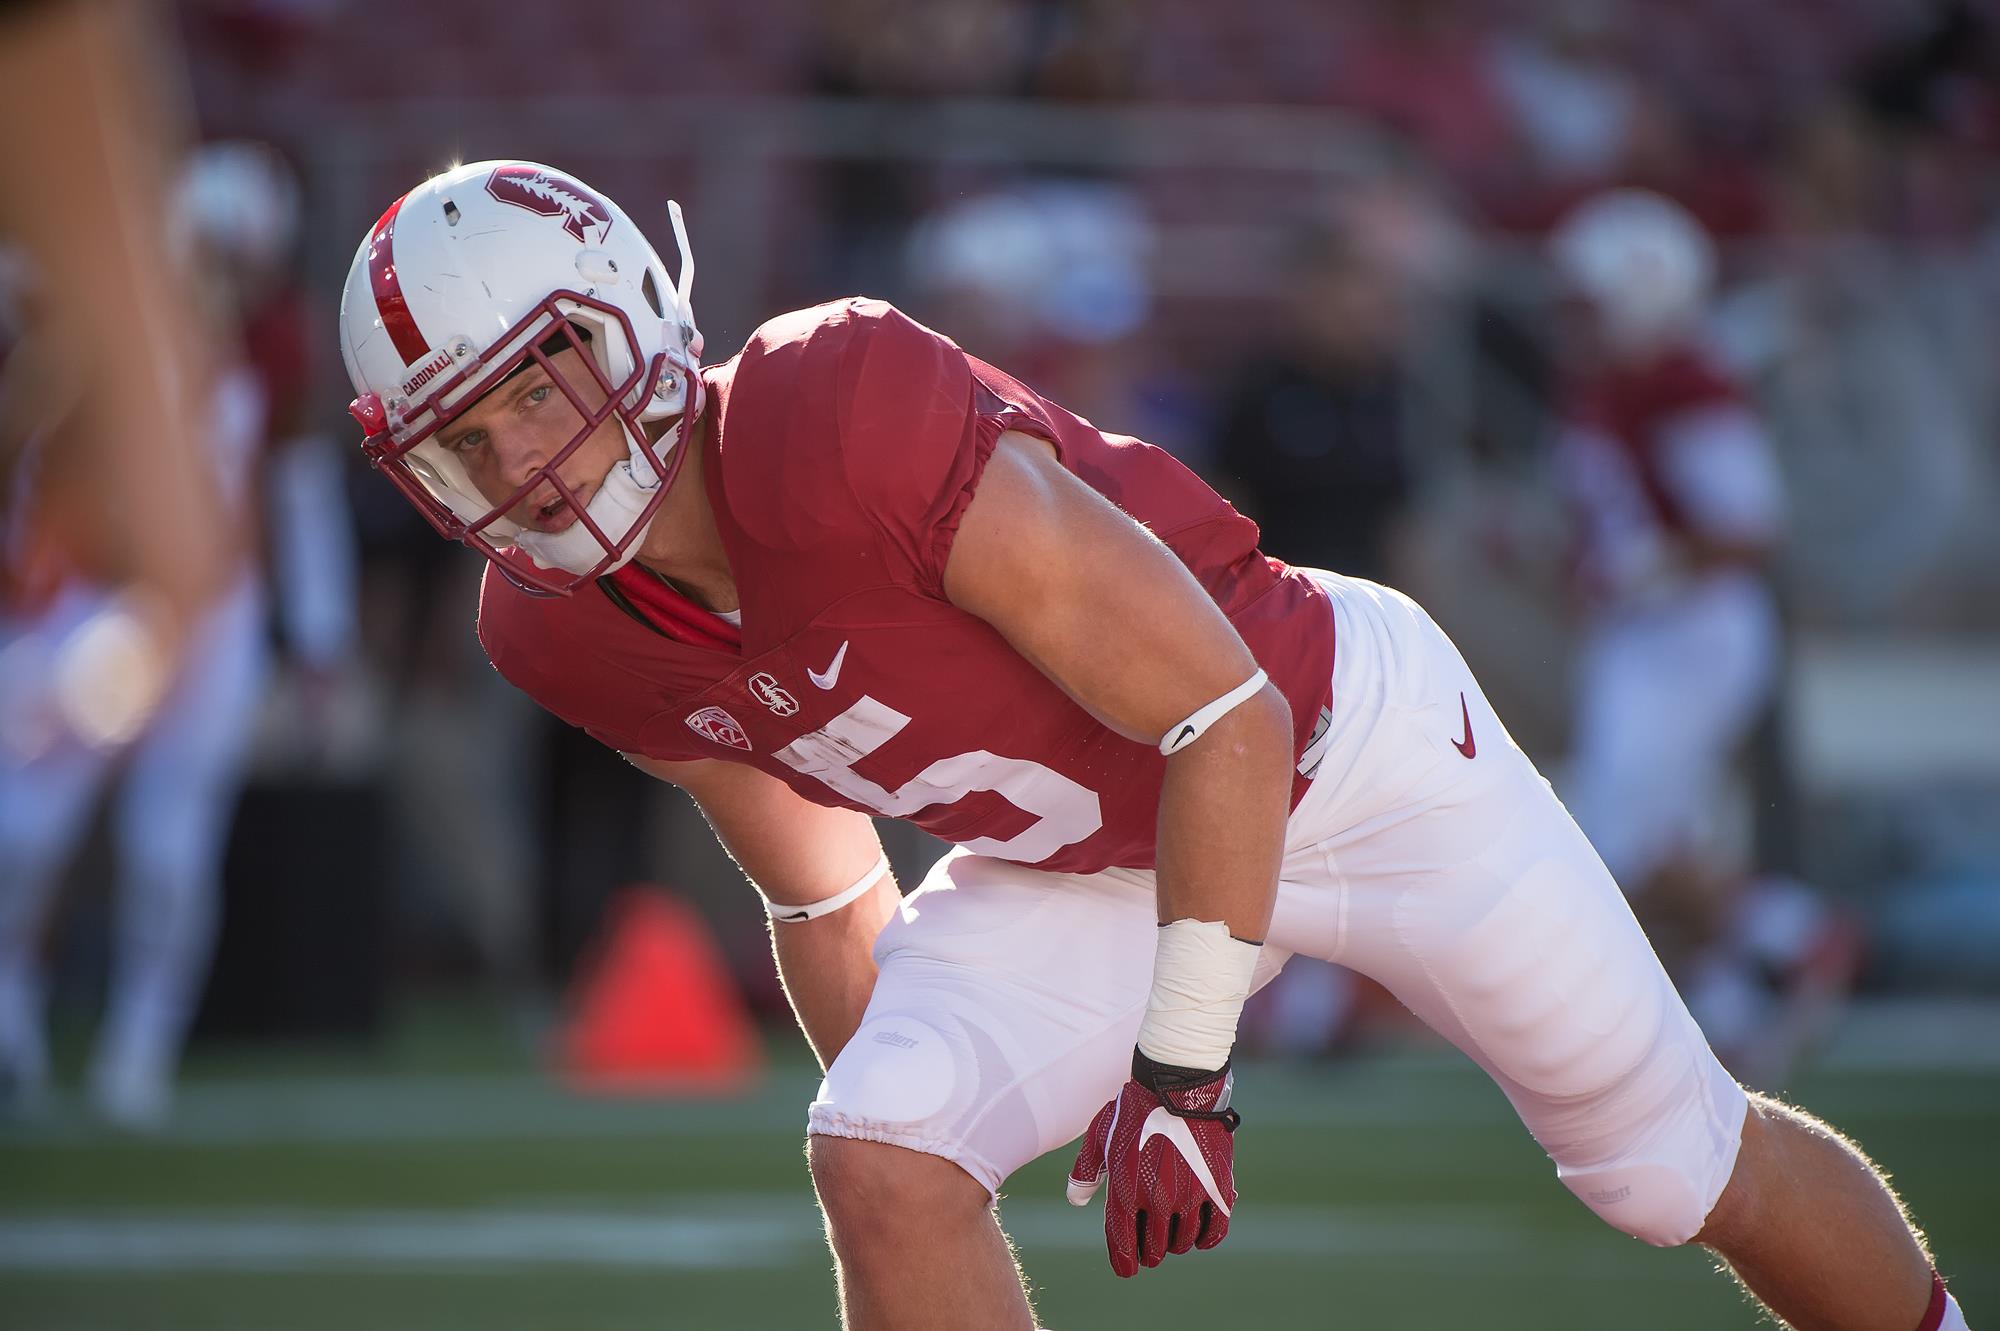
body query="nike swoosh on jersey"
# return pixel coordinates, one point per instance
(832, 675)
(1466, 745)
(1163, 1122)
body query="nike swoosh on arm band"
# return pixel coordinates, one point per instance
(1190, 730)
(783, 914)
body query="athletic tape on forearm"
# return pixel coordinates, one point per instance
(1201, 976)
(846, 897)
(1190, 730)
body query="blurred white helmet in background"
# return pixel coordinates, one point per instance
(240, 200)
(1068, 258)
(1641, 260)
(466, 279)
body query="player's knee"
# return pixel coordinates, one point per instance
(1662, 1174)
(900, 1074)
(875, 1194)
(1651, 1202)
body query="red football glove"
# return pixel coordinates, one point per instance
(1165, 1144)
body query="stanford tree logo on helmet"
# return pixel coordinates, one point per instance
(549, 195)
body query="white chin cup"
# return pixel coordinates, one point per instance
(616, 509)
(628, 487)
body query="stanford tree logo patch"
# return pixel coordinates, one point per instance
(772, 694)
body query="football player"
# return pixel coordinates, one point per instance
(853, 571)
(178, 775)
(1681, 509)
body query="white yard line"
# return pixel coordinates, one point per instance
(1411, 1088)
(725, 1233)
(308, 1110)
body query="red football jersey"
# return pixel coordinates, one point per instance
(1655, 456)
(278, 342)
(844, 444)
(1632, 408)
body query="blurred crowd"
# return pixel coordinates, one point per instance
(1649, 342)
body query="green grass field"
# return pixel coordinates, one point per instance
(437, 1182)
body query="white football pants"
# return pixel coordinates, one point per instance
(1009, 999)
(1666, 695)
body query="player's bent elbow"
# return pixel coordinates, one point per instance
(1272, 700)
(1259, 728)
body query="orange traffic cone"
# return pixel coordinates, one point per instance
(656, 1010)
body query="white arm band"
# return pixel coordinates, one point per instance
(1190, 730)
(1201, 975)
(781, 914)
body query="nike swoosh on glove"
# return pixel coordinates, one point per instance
(1165, 1146)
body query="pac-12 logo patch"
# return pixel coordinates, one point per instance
(766, 689)
(713, 723)
(549, 195)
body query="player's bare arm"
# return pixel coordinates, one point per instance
(799, 855)
(1110, 614)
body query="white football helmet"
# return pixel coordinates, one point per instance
(1641, 260)
(241, 199)
(464, 280)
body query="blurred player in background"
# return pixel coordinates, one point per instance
(236, 219)
(1680, 512)
(853, 571)
(240, 205)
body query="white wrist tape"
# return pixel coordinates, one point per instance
(781, 914)
(1201, 976)
(1190, 730)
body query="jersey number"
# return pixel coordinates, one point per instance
(1065, 812)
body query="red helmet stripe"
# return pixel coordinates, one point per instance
(389, 302)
